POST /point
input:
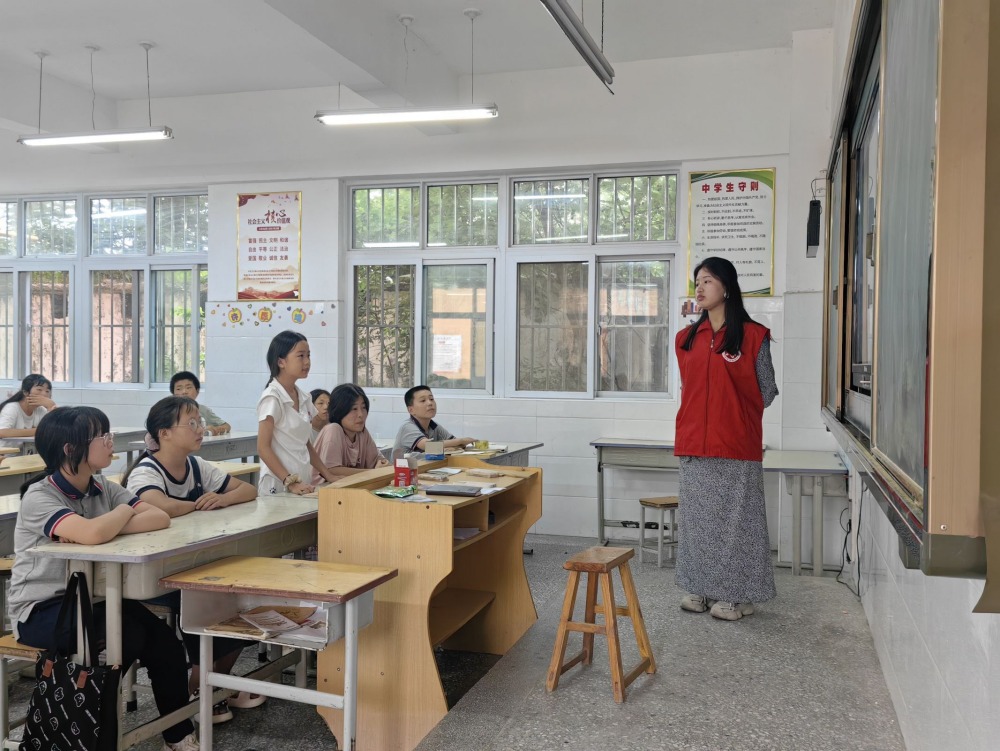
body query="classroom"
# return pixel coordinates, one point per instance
(536, 271)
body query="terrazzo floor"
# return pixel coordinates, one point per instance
(799, 675)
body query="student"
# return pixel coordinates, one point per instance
(187, 384)
(284, 415)
(21, 413)
(420, 428)
(321, 401)
(67, 504)
(167, 475)
(345, 446)
(727, 379)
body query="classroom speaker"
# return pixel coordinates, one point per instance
(812, 228)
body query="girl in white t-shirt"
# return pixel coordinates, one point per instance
(284, 416)
(21, 413)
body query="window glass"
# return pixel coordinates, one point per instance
(462, 215)
(386, 217)
(7, 327)
(117, 226)
(48, 294)
(8, 228)
(633, 331)
(50, 228)
(552, 326)
(383, 325)
(637, 209)
(117, 326)
(176, 317)
(551, 211)
(456, 316)
(181, 224)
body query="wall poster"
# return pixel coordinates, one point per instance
(731, 214)
(269, 246)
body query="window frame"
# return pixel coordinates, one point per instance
(80, 265)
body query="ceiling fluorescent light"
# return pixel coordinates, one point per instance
(574, 29)
(98, 136)
(406, 115)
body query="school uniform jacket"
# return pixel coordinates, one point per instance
(721, 404)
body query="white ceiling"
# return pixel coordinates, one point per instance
(224, 46)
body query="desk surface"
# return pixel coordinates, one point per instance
(235, 435)
(282, 577)
(192, 532)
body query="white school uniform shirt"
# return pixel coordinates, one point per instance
(292, 431)
(13, 417)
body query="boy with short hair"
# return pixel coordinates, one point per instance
(420, 428)
(186, 383)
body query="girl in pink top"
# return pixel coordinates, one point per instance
(345, 446)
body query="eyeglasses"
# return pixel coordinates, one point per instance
(108, 438)
(195, 425)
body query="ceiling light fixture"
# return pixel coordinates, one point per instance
(577, 33)
(416, 114)
(118, 135)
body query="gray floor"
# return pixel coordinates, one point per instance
(799, 675)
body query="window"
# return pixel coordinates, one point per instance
(383, 325)
(8, 228)
(118, 326)
(456, 335)
(633, 325)
(386, 218)
(7, 330)
(48, 297)
(50, 228)
(179, 298)
(462, 215)
(117, 226)
(552, 326)
(637, 209)
(181, 224)
(551, 211)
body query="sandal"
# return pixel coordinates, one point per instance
(245, 700)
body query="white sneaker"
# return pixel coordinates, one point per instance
(187, 743)
(731, 611)
(696, 603)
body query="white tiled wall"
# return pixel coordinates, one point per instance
(941, 661)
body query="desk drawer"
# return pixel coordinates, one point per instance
(640, 457)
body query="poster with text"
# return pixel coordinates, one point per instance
(269, 246)
(731, 214)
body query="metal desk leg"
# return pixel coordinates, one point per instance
(350, 675)
(205, 694)
(113, 627)
(601, 539)
(796, 525)
(817, 525)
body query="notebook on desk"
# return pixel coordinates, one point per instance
(466, 490)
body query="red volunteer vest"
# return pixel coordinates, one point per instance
(722, 408)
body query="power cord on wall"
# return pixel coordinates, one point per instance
(845, 556)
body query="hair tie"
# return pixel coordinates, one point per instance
(151, 443)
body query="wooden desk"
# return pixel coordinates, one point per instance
(216, 448)
(644, 455)
(9, 451)
(469, 594)
(9, 506)
(516, 455)
(131, 566)
(213, 592)
(123, 437)
(246, 472)
(14, 470)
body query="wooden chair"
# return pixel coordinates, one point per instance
(11, 651)
(6, 566)
(665, 532)
(598, 563)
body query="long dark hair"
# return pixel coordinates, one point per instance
(281, 345)
(162, 416)
(29, 382)
(342, 400)
(725, 272)
(63, 437)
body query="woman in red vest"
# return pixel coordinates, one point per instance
(727, 379)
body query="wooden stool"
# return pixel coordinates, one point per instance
(598, 563)
(663, 505)
(11, 651)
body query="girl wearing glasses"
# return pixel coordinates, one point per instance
(67, 503)
(167, 475)
(284, 415)
(21, 413)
